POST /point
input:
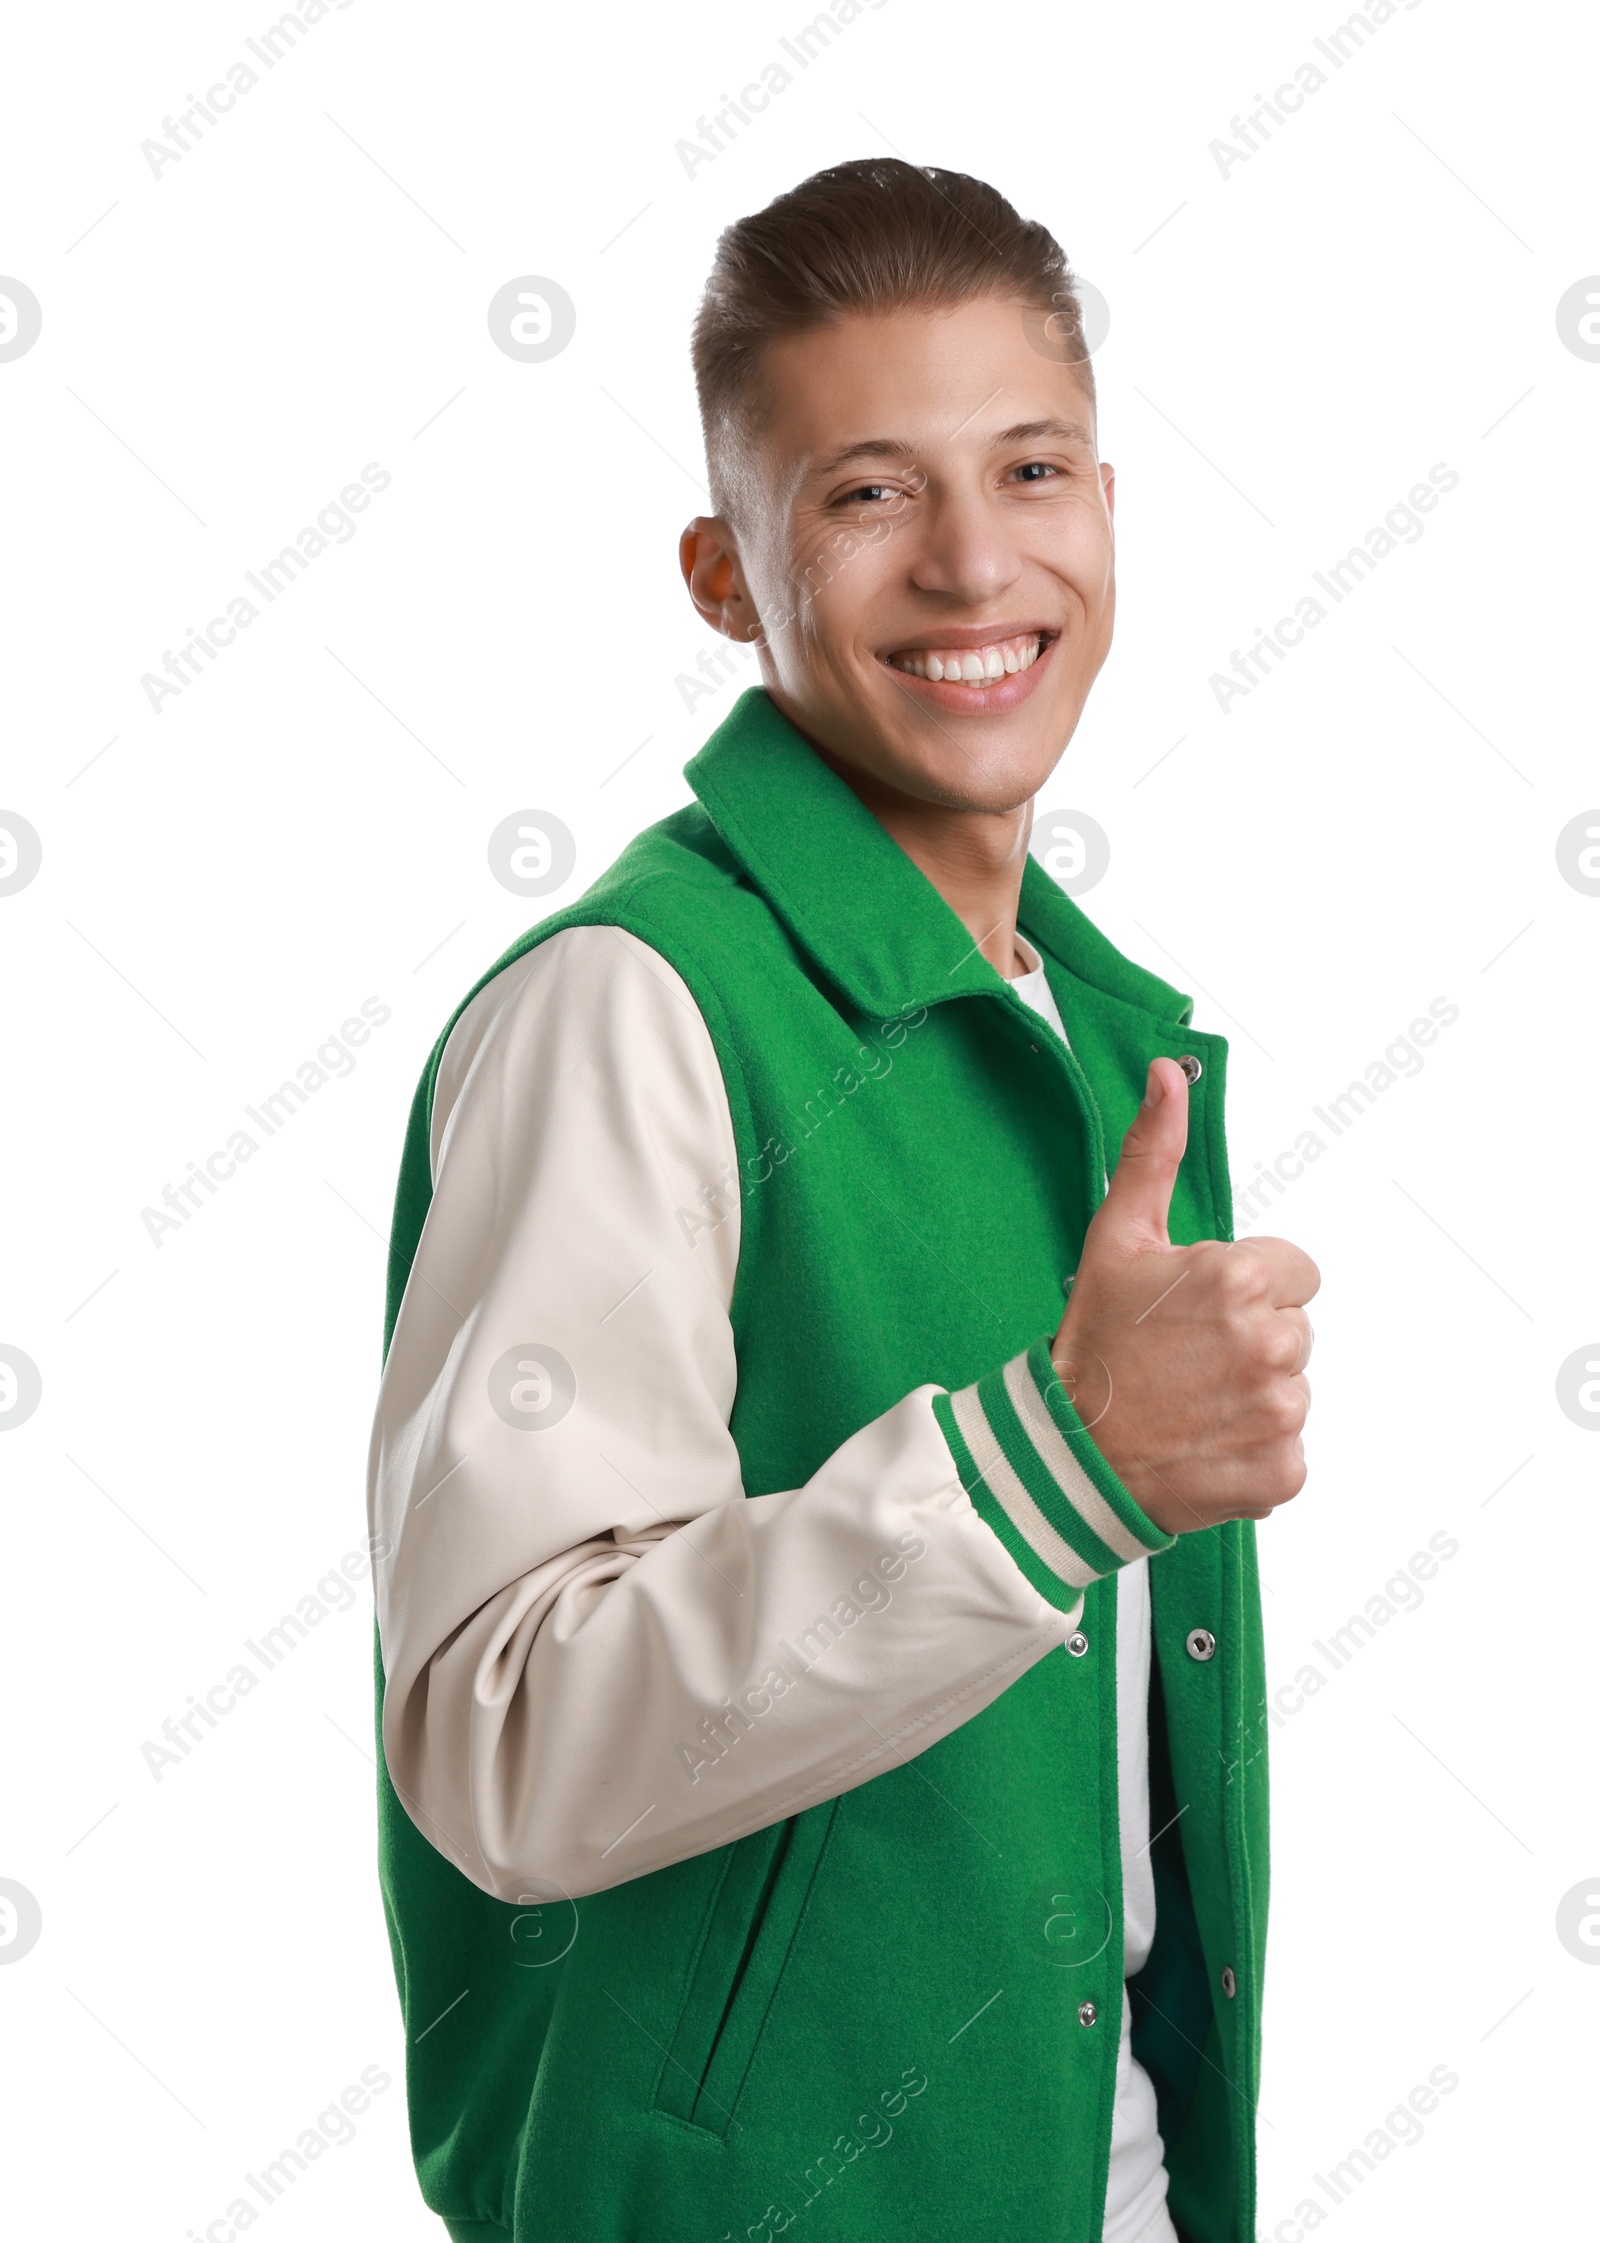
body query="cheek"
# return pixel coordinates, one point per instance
(1075, 547)
(833, 623)
(1087, 555)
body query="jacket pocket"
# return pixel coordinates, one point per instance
(755, 1913)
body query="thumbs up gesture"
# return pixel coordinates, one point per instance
(1186, 1363)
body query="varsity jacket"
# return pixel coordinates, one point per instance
(748, 1794)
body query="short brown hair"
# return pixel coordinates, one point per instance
(872, 236)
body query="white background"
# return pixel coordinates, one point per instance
(1291, 347)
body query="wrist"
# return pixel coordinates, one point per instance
(1033, 1471)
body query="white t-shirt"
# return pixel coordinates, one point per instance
(1136, 2185)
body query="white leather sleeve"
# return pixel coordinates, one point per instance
(600, 1656)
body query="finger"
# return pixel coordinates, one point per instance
(1294, 1276)
(1246, 1484)
(1134, 1212)
(1253, 1482)
(1301, 1324)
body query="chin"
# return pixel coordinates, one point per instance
(976, 766)
(995, 779)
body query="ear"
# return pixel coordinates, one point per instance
(1108, 483)
(709, 559)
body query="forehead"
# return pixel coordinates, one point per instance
(922, 375)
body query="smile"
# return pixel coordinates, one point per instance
(978, 665)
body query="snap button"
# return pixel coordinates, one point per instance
(1087, 2013)
(1230, 1985)
(1191, 1067)
(1202, 1644)
(1078, 1644)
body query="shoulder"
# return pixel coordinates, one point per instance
(675, 888)
(593, 1011)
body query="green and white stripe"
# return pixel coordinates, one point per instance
(1033, 1472)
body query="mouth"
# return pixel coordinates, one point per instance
(972, 665)
(994, 674)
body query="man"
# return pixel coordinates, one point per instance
(822, 1682)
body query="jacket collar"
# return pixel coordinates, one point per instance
(853, 900)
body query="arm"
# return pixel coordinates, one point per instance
(600, 1655)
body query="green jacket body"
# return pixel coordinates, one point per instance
(891, 2018)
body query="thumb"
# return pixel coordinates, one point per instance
(1134, 1210)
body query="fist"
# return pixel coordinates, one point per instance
(1186, 1363)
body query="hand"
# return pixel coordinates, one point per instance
(1186, 1363)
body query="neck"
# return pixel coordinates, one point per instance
(975, 858)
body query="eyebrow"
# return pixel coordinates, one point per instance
(896, 448)
(869, 448)
(1026, 432)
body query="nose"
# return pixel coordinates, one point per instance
(964, 553)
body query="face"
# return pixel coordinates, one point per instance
(920, 540)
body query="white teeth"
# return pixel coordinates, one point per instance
(1005, 658)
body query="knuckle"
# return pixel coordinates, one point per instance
(1280, 1346)
(1242, 1277)
(1209, 1259)
(1284, 1409)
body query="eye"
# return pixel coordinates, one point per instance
(868, 491)
(1035, 471)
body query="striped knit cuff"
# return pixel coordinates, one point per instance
(1034, 1474)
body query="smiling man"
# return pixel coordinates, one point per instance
(820, 1662)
